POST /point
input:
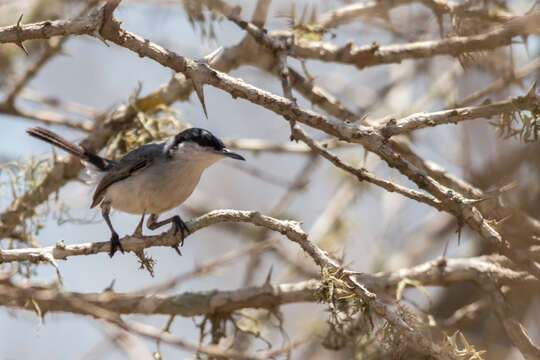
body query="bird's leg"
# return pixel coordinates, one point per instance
(178, 225)
(115, 241)
(138, 230)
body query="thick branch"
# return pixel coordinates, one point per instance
(186, 304)
(86, 25)
(433, 273)
(291, 229)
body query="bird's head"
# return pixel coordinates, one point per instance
(200, 145)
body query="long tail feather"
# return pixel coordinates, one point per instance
(56, 140)
(74, 149)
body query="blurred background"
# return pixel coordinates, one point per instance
(371, 229)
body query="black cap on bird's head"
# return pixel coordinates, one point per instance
(205, 139)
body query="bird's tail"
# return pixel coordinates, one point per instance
(74, 149)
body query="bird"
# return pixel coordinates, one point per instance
(151, 179)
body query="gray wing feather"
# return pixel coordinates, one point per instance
(131, 164)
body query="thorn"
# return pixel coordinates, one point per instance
(460, 227)
(19, 29)
(508, 187)
(532, 91)
(525, 38)
(98, 36)
(477, 201)
(439, 17)
(64, 53)
(177, 249)
(496, 223)
(364, 118)
(445, 250)
(110, 287)
(50, 259)
(268, 280)
(487, 102)
(493, 193)
(200, 94)
(210, 57)
(20, 44)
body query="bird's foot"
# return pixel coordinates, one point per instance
(115, 244)
(180, 225)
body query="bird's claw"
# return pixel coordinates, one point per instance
(180, 225)
(115, 245)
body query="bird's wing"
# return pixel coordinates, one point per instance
(124, 170)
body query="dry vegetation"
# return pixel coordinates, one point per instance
(476, 65)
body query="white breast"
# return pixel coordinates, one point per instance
(164, 185)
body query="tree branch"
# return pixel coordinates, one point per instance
(372, 55)
(515, 331)
(349, 13)
(433, 273)
(82, 25)
(364, 175)
(289, 228)
(453, 116)
(186, 304)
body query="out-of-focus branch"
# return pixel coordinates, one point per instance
(500, 84)
(433, 273)
(214, 351)
(60, 104)
(186, 304)
(445, 271)
(49, 118)
(464, 314)
(441, 272)
(86, 304)
(364, 175)
(372, 55)
(519, 222)
(515, 331)
(52, 48)
(349, 13)
(453, 116)
(260, 145)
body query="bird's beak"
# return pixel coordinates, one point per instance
(231, 154)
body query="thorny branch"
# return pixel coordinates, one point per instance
(433, 273)
(444, 192)
(371, 139)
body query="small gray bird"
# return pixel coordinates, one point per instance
(151, 179)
